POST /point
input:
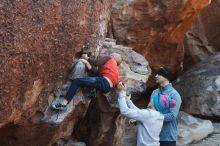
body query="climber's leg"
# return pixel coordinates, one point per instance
(99, 83)
(96, 82)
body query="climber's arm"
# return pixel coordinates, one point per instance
(97, 63)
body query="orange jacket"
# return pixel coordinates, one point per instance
(110, 70)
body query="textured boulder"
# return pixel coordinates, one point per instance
(203, 39)
(39, 40)
(50, 126)
(155, 28)
(192, 129)
(200, 88)
(211, 140)
(207, 23)
(103, 124)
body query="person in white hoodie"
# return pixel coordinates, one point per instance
(149, 121)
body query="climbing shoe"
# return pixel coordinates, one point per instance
(59, 106)
(92, 94)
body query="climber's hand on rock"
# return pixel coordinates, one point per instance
(88, 65)
(121, 86)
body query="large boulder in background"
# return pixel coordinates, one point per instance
(39, 40)
(203, 39)
(103, 125)
(199, 88)
(207, 25)
(191, 129)
(211, 140)
(155, 28)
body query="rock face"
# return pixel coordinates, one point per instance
(49, 126)
(204, 38)
(155, 28)
(103, 126)
(207, 22)
(192, 129)
(39, 39)
(200, 88)
(212, 140)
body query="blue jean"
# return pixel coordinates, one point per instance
(99, 83)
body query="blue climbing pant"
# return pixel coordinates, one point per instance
(99, 83)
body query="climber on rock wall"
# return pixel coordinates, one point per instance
(108, 77)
